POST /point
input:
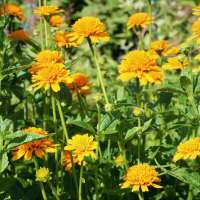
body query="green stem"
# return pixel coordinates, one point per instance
(62, 119)
(80, 184)
(41, 28)
(53, 191)
(41, 184)
(190, 197)
(140, 195)
(99, 73)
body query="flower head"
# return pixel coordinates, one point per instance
(164, 48)
(19, 35)
(44, 58)
(196, 11)
(50, 77)
(38, 147)
(137, 111)
(119, 160)
(89, 27)
(188, 150)
(175, 63)
(141, 19)
(79, 82)
(55, 20)
(141, 176)
(46, 10)
(13, 10)
(196, 29)
(142, 65)
(42, 174)
(66, 39)
(82, 146)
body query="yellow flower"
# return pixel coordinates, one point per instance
(197, 57)
(89, 27)
(42, 174)
(163, 47)
(196, 11)
(66, 40)
(137, 111)
(46, 10)
(119, 160)
(188, 150)
(141, 19)
(142, 65)
(175, 64)
(141, 176)
(19, 35)
(196, 29)
(50, 77)
(82, 146)
(79, 82)
(55, 20)
(44, 58)
(38, 147)
(13, 10)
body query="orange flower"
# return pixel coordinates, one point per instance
(66, 40)
(55, 20)
(50, 77)
(141, 19)
(38, 147)
(46, 10)
(188, 150)
(19, 35)
(44, 58)
(13, 10)
(175, 64)
(196, 29)
(163, 47)
(89, 27)
(141, 65)
(141, 176)
(196, 11)
(81, 146)
(79, 82)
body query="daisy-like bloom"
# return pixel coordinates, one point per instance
(44, 58)
(141, 176)
(42, 174)
(142, 65)
(196, 11)
(50, 77)
(55, 20)
(175, 64)
(89, 27)
(79, 82)
(46, 10)
(196, 29)
(188, 150)
(67, 40)
(38, 147)
(119, 160)
(13, 10)
(163, 47)
(82, 146)
(19, 35)
(140, 19)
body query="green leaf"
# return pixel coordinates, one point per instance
(3, 161)
(146, 125)
(22, 138)
(132, 132)
(186, 83)
(83, 125)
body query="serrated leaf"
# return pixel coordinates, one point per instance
(3, 161)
